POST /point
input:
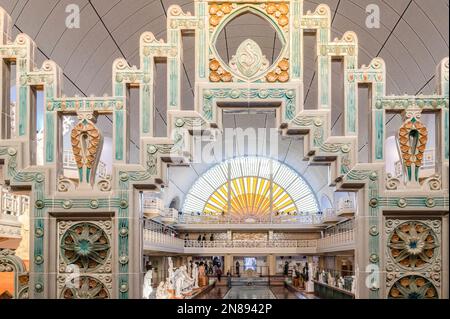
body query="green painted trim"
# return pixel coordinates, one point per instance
(50, 137)
(119, 136)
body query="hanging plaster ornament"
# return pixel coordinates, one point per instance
(87, 143)
(413, 137)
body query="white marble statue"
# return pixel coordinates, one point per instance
(195, 275)
(310, 284)
(161, 291)
(323, 278)
(340, 282)
(353, 284)
(148, 289)
(170, 273)
(182, 282)
(332, 281)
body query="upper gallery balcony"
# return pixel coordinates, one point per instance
(159, 240)
(12, 207)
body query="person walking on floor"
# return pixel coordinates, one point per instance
(219, 274)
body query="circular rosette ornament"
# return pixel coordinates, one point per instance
(413, 287)
(413, 244)
(85, 245)
(88, 288)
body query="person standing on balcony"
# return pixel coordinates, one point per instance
(211, 238)
(204, 237)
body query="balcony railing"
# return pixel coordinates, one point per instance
(158, 238)
(13, 205)
(251, 244)
(339, 239)
(187, 218)
(169, 241)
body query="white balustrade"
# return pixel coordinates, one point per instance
(161, 239)
(338, 239)
(187, 218)
(13, 205)
(251, 244)
(154, 236)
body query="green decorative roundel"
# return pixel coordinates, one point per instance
(124, 287)
(373, 202)
(373, 258)
(39, 232)
(85, 245)
(38, 287)
(402, 203)
(124, 204)
(373, 231)
(94, 204)
(39, 204)
(67, 204)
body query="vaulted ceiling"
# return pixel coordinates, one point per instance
(412, 39)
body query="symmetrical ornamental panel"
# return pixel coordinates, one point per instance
(249, 78)
(84, 259)
(413, 258)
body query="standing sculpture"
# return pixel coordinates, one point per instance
(195, 275)
(353, 284)
(162, 290)
(170, 273)
(148, 289)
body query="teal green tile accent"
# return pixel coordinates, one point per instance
(446, 134)
(351, 109)
(379, 135)
(146, 107)
(23, 117)
(50, 137)
(119, 122)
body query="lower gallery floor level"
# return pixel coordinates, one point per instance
(249, 277)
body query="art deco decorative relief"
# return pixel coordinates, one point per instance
(87, 144)
(404, 248)
(88, 288)
(413, 137)
(249, 59)
(413, 251)
(85, 248)
(413, 244)
(86, 245)
(413, 287)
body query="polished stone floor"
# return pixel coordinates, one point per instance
(244, 292)
(250, 292)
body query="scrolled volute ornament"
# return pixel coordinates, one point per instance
(105, 184)
(65, 184)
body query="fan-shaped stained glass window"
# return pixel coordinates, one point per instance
(251, 187)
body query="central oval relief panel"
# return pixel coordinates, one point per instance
(249, 45)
